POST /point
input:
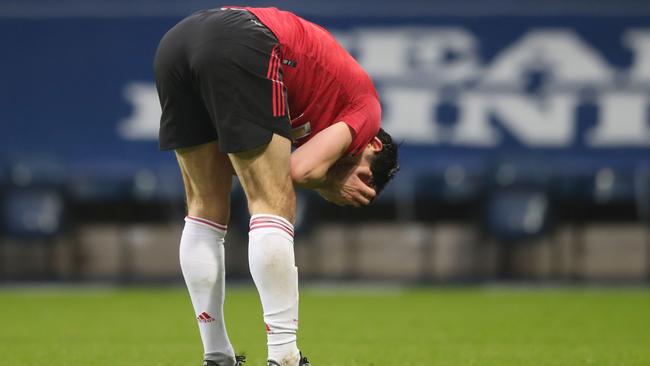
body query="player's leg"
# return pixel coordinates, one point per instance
(187, 128)
(207, 176)
(238, 76)
(265, 175)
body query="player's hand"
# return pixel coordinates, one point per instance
(348, 185)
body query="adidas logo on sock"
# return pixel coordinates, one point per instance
(205, 318)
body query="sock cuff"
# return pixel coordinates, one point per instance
(266, 221)
(206, 223)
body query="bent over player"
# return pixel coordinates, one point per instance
(237, 86)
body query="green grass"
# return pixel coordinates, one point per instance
(450, 327)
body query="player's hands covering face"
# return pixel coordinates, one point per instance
(348, 185)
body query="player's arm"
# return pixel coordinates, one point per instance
(313, 167)
(311, 161)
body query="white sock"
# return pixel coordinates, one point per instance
(202, 263)
(273, 268)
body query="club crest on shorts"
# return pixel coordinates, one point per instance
(290, 63)
(301, 131)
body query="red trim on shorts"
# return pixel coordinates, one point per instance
(270, 75)
(275, 85)
(273, 74)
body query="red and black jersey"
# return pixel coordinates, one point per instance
(325, 83)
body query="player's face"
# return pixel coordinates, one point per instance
(364, 159)
(369, 152)
(373, 148)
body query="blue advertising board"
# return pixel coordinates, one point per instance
(570, 90)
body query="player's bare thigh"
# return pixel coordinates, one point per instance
(265, 174)
(207, 176)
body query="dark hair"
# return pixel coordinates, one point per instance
(385, 164)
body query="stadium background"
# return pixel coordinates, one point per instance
(516, 233)
(525, 129)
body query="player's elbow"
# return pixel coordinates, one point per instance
(305, 175)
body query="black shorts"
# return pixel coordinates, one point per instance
(219, 77)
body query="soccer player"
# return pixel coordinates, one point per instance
(237, 86)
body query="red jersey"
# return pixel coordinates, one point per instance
(325, 83)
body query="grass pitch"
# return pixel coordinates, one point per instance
(450, 327)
